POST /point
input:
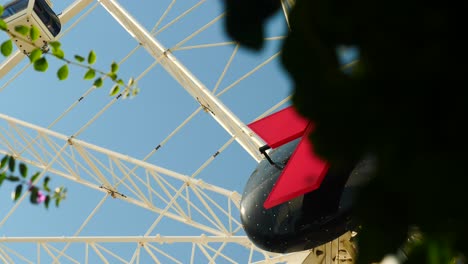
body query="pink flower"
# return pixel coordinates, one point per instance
(40, 197)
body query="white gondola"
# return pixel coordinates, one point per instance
(29, 13)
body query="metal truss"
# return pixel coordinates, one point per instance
(168, 193)
(173, 196)
(201, 249)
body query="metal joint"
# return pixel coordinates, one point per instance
(113, 193)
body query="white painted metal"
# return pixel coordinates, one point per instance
(129, 239)
(150, 245)
(246, 138)
(85, 157)
(82, 162)
(44, 152)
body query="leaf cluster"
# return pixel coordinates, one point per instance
(38, 57)
(403, 102)
(38, 193)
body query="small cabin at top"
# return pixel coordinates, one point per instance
(28, 13)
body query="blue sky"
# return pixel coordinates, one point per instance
(134, 127)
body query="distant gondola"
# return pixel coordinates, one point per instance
(29, 13)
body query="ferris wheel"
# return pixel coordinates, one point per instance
(154, 179)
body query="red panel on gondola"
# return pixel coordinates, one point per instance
(281, 127)
(305, 170)
(303, 173)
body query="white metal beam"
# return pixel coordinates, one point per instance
(243, 240)
(231, 123)
(81, 161)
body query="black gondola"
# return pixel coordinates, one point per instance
(307, 221)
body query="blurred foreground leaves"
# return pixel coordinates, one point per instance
(404, 102)
(38, 193)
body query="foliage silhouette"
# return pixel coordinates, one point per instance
(402, 103)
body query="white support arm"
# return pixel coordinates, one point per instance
(231, 123)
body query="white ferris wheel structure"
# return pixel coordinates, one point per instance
(144, 207)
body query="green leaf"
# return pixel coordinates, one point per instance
(91, 57)
(112, 75)
(12, 178)
(34, 33)
(114, 67)
(34, 177)
(47, 201)
(89, 74)
(23, 30)
(58, 53)
(115, 90)
(57, 202)
(98, 82)
(55, 45)
(79, 58)
(23, 170)
(120, 82)
(62, 73)
(17, 193)
(34, 195)
(35, 55)
(7, 47)
(45, 184)
(3, 25)
(1, 10)
(11, 164)
(41, 65)
(2, 177)
(4, 161)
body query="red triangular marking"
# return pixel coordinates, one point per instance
(303, 173)
(281, 127)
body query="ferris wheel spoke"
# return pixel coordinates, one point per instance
(172, 22)
(212, 157)
(203, 46)
(161, 18)
(247, 139)
(219, 44)
(286, 7)
(255, 69)
(226, 68)
(274, 108)
(197, 32)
